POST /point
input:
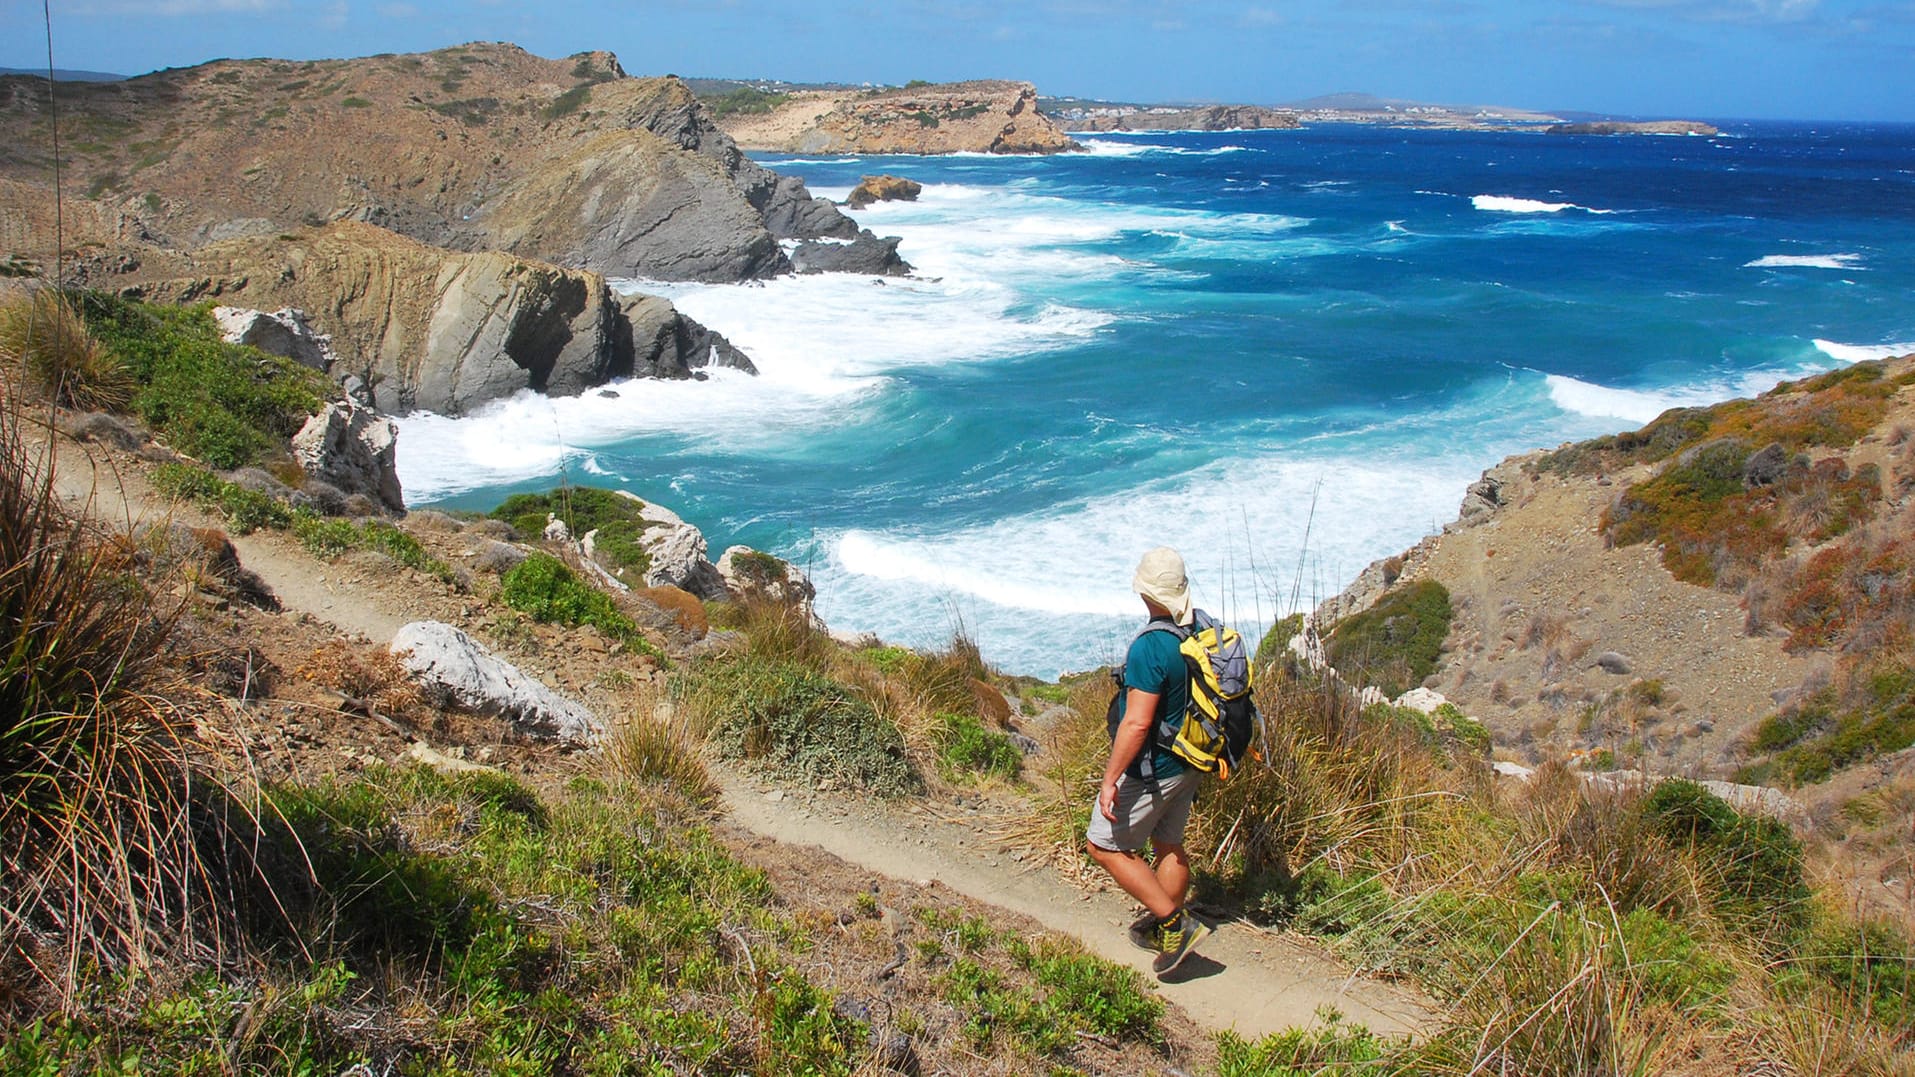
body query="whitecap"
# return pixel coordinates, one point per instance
(1098, 147)
(1599, 401)
(1497, 203)
(1806, 261)
(1856, 353)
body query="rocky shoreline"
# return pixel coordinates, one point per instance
(447, 219)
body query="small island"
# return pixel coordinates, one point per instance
(1619, 127)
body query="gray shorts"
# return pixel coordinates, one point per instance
(1157, 813)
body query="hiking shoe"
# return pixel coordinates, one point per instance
(1143, 932)
(1178, 942)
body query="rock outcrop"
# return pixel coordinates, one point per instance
(1208, 118)
(750, 574)
(354, 449)
(872, 189)
(625, 204)
(456, 670)
(438, 330)
(865, 254)
(283, 332)
(960, 117)
(476, 148)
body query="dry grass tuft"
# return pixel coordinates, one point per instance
(44, 343)
(681, 605)
(105, 822)
(659, 746)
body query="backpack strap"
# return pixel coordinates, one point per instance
(1164, 730)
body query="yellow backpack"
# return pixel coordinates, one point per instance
(1213, 733)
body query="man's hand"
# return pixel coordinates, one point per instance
(1107, 800)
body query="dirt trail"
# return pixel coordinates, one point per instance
(1244, 978)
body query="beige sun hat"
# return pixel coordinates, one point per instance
(1160, 578)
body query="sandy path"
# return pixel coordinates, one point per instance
(328, 592)
(1246, 979)
(1254, 981)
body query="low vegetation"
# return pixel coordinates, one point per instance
(1395, 643)
(1774, 499)
(583, 509)
(225, 405)
(746, 101)
(543, 588)
(1563, 927)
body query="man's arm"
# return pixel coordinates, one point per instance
(1140, 712)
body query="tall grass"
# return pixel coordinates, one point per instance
(103, 818)
(47, 346)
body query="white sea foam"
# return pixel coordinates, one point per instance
(1630, 405)
(1641, 405)
(1806, 261)
(1099, 147)
(1856, 353)
(1496, 203)
(1076, 560)
(824, 344)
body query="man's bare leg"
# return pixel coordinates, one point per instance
(1173, 873)
(1139, 880)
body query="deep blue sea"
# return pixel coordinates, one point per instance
(1286, 353)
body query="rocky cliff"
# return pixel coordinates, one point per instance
(1657, 596)
(426, 328)
(1210, 118)
(480, 147)
(985, 116)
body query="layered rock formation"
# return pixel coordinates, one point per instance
(986, 116)
(427, 328)
(1209, 118)
(481, 147)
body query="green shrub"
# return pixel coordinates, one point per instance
(616, 517)
(543, 588)
(244, 510)
(1278, 638)
(800, 722)
(1080, 993)
(1752, 866)
(569, 102)
(1394, 644)
(1671, 963)
(746, 101)
(1330, 1049)
(1871, 963)
(225, 404)
(1090, 993)
(966, 748)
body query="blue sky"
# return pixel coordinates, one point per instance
(1780, 59)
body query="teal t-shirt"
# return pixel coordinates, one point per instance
(1154, 664)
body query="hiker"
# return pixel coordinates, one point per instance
(1148, 790)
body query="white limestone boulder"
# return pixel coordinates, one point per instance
(282, 332)
(354, 449)
(457, 670)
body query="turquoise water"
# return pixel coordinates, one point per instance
(1286, 353)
